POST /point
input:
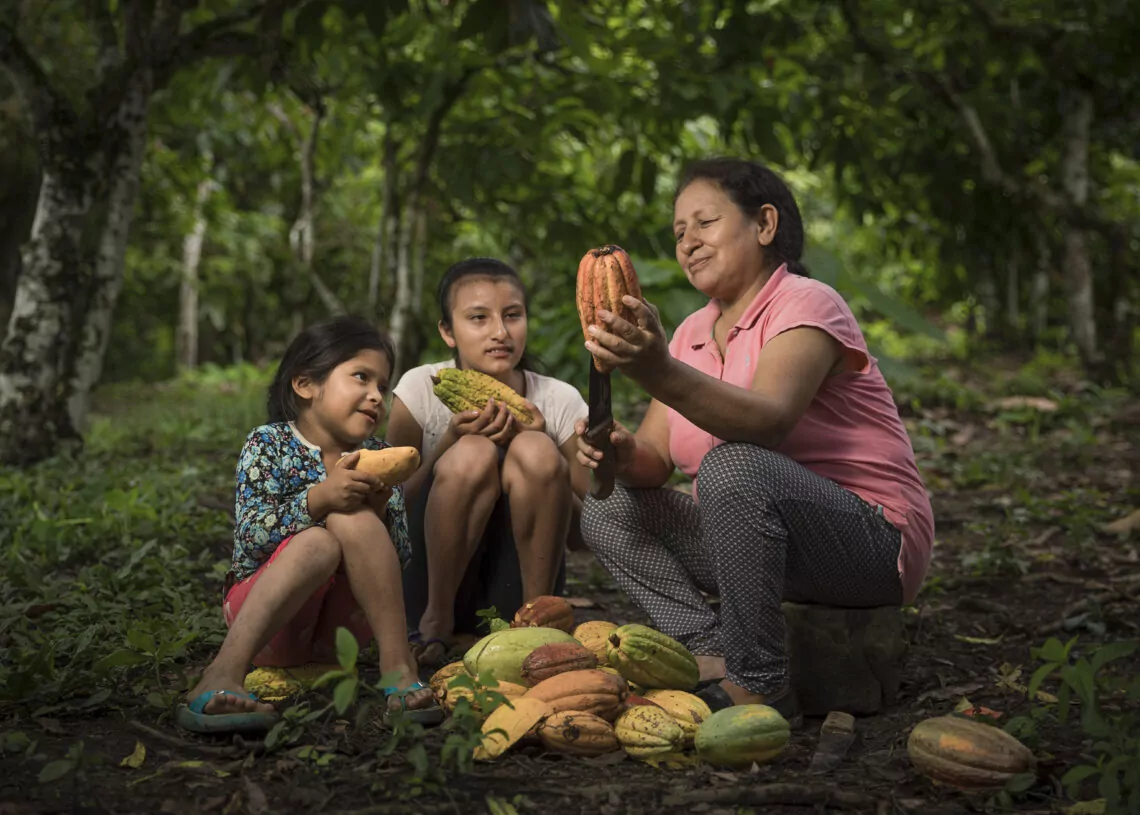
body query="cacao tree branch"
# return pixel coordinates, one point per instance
(48, 109)
(103, 22)
(139, 17)
(224, 36)
(1086, 215)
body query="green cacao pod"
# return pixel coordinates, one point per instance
(504, 652)
(470, 390)
(741, 735)
(651, 659)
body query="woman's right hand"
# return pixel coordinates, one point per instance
(622, 440)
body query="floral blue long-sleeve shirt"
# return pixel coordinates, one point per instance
(274, 473)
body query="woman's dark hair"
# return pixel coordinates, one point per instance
(751, 185)
(315, 352)
(485, 268)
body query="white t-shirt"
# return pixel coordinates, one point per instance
(559, 402)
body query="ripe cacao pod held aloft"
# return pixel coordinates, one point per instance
(605, 275)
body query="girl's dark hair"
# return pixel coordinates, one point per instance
(315, 352)
(490, 268)
(751, 185)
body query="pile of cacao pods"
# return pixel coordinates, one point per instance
(596, 688)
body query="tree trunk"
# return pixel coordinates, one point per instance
(302, 235)
(1013, 296)
(385, 230)
(1078, 263)
(37, 357)
(988, 299)
(17, 209)
(128, 138)
(419, 263)
(402, 310)
(187, 337)
(1122, 311)
(1039, 296)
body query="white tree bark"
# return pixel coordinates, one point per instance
(38, 350)
(1078, 264)
(402, 310)
(1039, 296)
(187, 336)
(122, 187)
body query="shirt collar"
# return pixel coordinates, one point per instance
(707, 316)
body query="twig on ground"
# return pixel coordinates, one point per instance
(229, 751)
(779, 794)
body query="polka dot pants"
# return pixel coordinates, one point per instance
(766, 530)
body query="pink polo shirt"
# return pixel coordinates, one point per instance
(851, 432)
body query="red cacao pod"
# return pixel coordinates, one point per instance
(605, 275)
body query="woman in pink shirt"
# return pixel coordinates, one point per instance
(805, 486)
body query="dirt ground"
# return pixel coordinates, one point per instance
(969, 631)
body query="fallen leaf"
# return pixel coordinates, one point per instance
(51, 726)
(1124, 526)
(949, 692)
(968, 708)
(136, 758)
(258, 803)
(1096, 807)
(977, 640)
(1017, 402)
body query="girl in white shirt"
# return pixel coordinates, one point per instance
(494, 503)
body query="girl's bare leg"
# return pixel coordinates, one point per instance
(537, 479)
(464, 490)
(373, 570)
(280, 592)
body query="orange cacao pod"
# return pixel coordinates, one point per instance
(578, 733)
(556, 658)
(590, 691)
(605, 275)
(546, 611)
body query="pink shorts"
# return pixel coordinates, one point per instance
(311, 635)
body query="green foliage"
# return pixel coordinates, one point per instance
(1108, 716)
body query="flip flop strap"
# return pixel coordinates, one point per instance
(198, 705)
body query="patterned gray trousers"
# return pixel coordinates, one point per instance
(766, 529)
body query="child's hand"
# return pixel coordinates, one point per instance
(344, 490)
(511, 426)
(378, 500)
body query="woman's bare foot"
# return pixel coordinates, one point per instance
(711, 667)
(236, 701)
(740, 696)
(436, 636)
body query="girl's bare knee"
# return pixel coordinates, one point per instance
(472, 459)
(534, 457)
(319, 546)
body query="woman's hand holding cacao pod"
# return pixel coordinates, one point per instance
(623, 442)
(640, 348)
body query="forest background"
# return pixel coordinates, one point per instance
(185, 184)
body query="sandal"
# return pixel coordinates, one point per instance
(432, 714)
(421, 648)
(193, 716)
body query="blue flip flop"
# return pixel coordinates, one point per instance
(424, 715)
(193, 717)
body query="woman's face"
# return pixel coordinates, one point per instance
(720, 248)
(488, 325)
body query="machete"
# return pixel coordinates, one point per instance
(600, 425)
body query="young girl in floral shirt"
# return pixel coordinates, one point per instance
(317, 546)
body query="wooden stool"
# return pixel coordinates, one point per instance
(847, 659)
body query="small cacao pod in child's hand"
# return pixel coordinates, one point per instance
(470, 390)
(393, 465)
(605, 275)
